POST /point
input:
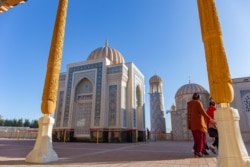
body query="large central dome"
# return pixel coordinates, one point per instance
(106, 52)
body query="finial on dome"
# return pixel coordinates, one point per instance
(189, 81)
(106, 43)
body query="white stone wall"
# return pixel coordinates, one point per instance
(241, 102)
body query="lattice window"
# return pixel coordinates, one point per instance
(59, 110)
(246, 102)
(83, 118)
(112, 104)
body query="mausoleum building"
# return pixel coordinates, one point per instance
(101, 99)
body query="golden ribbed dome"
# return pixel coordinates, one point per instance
(155, 79)
(112, 54)
(190, 89)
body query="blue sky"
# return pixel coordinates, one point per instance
(161, 37)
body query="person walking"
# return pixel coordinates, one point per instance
(196, 121)
(212, 129)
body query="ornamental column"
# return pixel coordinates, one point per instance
(43, 151)
(232, 151)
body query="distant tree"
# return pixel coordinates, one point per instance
(26, 123)
(1, 121)
(34, 124)
(7, 122)
(20, 122)
(14, 122)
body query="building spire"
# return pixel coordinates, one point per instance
(106, 43)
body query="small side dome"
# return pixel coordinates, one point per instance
(112, 54)
(190, 89)
(155, 79)
(173, 107)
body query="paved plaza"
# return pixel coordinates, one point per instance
(159, 153)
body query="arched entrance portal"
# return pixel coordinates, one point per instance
(83, 108)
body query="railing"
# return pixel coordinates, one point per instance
(14, 132)
(97, 134)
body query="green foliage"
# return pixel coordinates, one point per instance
(34, 124)
(1, 121)
(26, 123)
(18, 123)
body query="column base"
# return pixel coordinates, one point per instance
(43, 151)
(232, 150)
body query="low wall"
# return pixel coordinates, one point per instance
(18, 132)
(67, 135)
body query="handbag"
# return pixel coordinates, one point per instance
(212, 130)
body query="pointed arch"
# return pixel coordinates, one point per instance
(84, 90)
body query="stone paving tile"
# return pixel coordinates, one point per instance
(149, 154)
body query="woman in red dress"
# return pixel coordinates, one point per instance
(196, 121)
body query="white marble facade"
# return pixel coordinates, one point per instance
(103, 92)
(241, 102)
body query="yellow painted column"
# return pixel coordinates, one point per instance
(232, 151)
(219, 77)
(50, 89)
(43, 151)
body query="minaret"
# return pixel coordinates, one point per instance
(232, 151)
(157, 109)
(43, 151)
